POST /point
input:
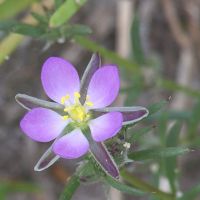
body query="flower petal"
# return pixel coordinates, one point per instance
(42, 124)
(59, 78)
(104, 86)
(106, 126)
(72, 145)
(130, 114)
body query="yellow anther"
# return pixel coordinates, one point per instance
(64, 99)
(77, 95)
(89, 103)
(65, 117)
(67, 97)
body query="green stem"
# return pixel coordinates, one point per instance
(131, 179)
(108, 54)
(131, 65)
(72, 185)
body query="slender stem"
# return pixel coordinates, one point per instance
(131, 179)
(131, 65)
(72, 185)
(114, 57)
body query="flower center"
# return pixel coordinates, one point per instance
(75, 110)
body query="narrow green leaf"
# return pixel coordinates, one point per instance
(136, 41)
(75, 30)
(156, 107)
(173, 115)
(131, 65)
(42, 19)
(108, 54)
(65, 12)
(157, 153)
(193, 124)
(66, 32)
(72, 185)
(21, 28)
(123, 187)
(162, 128)
(170, 163)
(191, 194)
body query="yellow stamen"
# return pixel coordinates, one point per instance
(65, 117)
(77, 97)
(64, 99)
(67, 97)
(89, 103)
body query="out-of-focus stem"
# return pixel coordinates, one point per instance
(131, 179)
(108, 54)
(8, 45)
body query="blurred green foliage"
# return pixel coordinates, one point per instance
(10, 187)
(65, 11)
(9, 8)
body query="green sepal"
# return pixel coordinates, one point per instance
(29, 102)
(93, 65)
(126, 112)
(101, 155)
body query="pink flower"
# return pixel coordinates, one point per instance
(79, 102)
